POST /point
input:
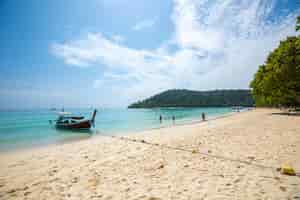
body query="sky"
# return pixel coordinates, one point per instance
(110, 53)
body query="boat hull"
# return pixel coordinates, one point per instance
(78, 125)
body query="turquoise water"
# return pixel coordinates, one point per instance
(22, 129)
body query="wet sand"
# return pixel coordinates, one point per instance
(228, 158)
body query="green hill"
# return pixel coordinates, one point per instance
(189, 98)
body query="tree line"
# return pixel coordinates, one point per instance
(277, 81)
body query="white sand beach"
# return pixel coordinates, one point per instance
(228, 158)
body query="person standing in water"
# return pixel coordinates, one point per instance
(160, 118)
(173, 118)
(203, 116)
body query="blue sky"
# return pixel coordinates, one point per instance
(76, 53)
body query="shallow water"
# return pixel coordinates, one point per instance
(22, 129)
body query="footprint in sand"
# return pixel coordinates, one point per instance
(75, 180)
(54, 180)
(11, 191)
(21, 163)
(154, 198)
(27, 193)
(53, 172)
(92, 183)
(109, 197)
(295, 196)
(237, 180)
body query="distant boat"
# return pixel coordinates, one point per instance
(66, 120)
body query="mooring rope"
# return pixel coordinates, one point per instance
(142, 141)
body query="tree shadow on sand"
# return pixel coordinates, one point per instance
(287, 113)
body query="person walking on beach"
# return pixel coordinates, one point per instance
(203, 116)
(173, 118)
(160, 118)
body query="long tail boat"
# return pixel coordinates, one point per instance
(68, 121)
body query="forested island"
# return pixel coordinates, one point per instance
(190, 98)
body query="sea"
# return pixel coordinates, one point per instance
(21, 129)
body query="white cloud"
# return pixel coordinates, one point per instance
(118, 38)
(146, 23)
(219, 45)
